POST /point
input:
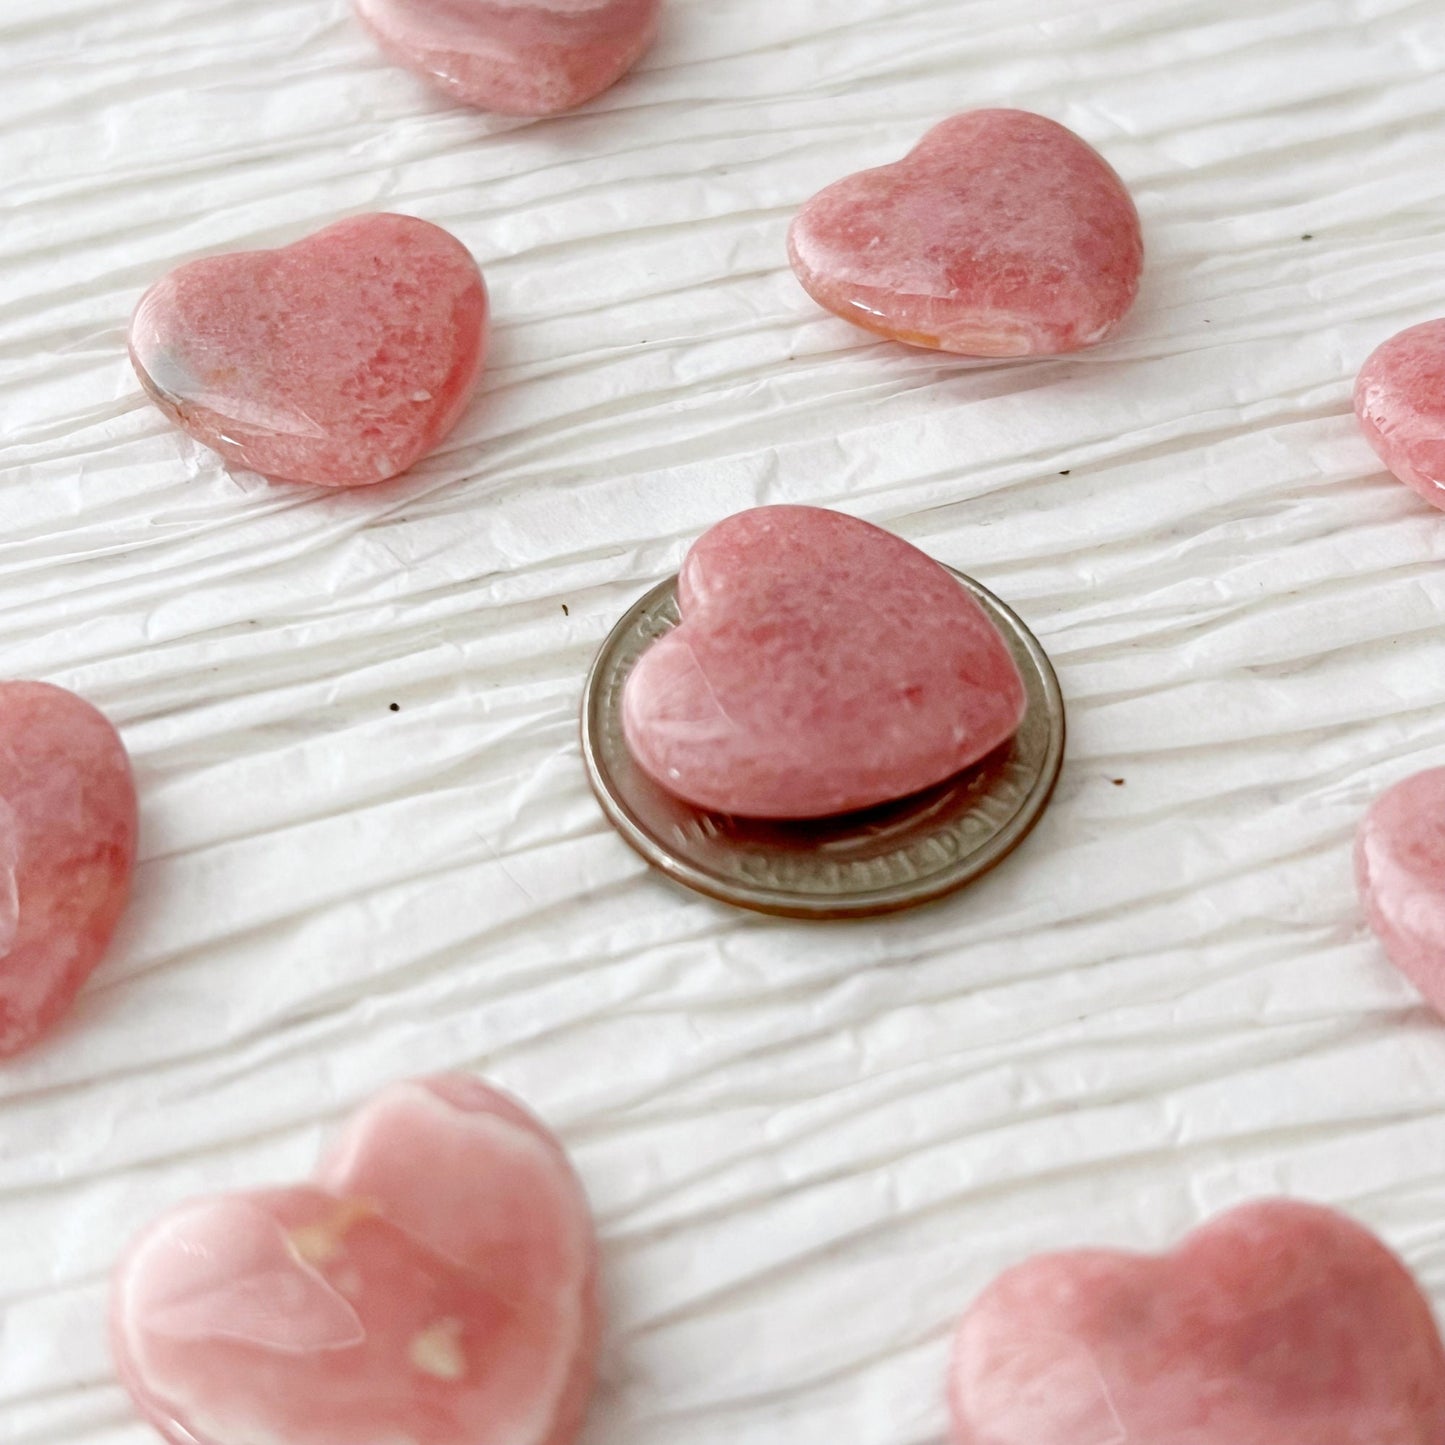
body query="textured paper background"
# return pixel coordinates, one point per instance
(807, 1146)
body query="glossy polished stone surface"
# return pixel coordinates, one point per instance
(822, 665)
(434, 1283)
(1400, 402)
(340, 360)
(67, 851)
(1277, 1324)
(1400, 866)
(1000, 234)
(515, 57)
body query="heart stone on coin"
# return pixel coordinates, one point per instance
(822, 665)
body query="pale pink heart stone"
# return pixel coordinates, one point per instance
(1278, 1324)
(434, 1284)
(67, 851)
(1400, 401)
(1400, 865)
(340, 360)
(515, 57)
(822, 665)
(1000, 234)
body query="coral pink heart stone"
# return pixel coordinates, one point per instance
(1400, 865)
(1278, 1324)
(340, 360)
(1400, 401)
(435, 1284)
(1000, 234)
(515, 57)
(67, 851)
(822, 665)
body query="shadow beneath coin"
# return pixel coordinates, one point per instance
(866, 830)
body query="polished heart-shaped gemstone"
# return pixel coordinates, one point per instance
(434, 1283)
(515, 57)
(340, 360)
(1000, 234)
(822, 665)
(67, 851)
(1400, 401)
(1400, 865)
(1278, 1324)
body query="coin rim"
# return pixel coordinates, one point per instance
(784, 903)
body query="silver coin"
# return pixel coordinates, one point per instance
(888, 858)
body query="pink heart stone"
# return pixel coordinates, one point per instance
(1278, 1324)
(339, 360)
(516, 57)
(434, 1284)
(1400, 401)
(1000, 234)
(1400, 864)
(822, 665)
(67, 850)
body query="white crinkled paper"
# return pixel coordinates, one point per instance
(807, 1146)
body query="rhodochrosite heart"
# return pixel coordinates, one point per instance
(1278, 1324)
(1400, 401)
(1400, 864)
(434, 1284)
(339, 360)
(821, 665)
(516, 57)
(67, 850)
(1000, 234)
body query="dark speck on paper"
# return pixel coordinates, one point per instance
(565, 611)
(1118, 782)
(396, 707)
(1308, 236)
